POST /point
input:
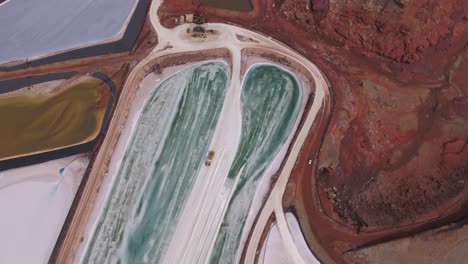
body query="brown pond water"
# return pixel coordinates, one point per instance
(235, 5)
(33, 124)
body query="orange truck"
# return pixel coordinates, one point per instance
(209, 157)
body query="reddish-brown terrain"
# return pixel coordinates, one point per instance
(393, 158)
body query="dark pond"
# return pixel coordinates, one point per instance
(235, 5)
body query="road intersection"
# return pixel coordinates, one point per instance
(193, 235)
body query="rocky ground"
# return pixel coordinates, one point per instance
(395, 148)
(394, 158)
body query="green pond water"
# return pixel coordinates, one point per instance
(159, 167)
(271, 100)
(168, 147)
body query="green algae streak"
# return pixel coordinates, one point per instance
(159, 167)
(271, 99)
(41, 123)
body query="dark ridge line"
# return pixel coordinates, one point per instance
(11, 85)
(108, 81)
(124, 44)
(68, 151)
(426, 226)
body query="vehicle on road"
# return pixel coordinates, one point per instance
(209, 158)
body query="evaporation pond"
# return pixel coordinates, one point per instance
(234, 5)
(166, 150)
(34, 123)
(34, 28)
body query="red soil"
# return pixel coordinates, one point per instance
(394, 157)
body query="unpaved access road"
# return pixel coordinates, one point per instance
(177, 41)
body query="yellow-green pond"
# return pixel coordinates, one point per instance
(32, 123)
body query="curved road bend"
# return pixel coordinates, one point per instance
(178, 42)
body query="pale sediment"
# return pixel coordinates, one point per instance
(159, 166)
(271, 100)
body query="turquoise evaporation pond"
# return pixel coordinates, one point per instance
(159, 167)
(271, 99)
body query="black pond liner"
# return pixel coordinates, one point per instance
(11, 85)
(124, 44)
(68, 151)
